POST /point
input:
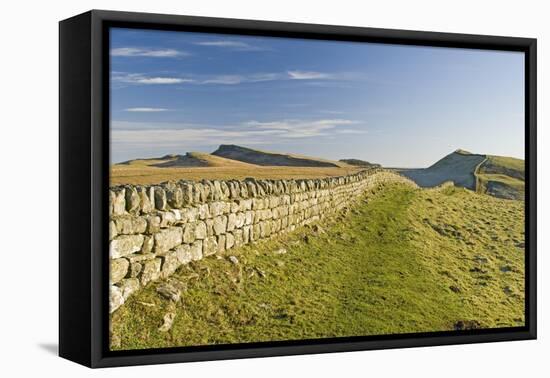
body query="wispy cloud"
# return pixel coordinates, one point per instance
(146, 52)
(231, 45)
(307, 75)
(146, 110)
(135, 78)
(251, 132)
(228, 79)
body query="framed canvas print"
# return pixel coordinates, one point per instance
(234, 188)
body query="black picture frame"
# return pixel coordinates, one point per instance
(84, 183)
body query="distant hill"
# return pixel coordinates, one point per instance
(190, 159)
(265, 158)
(498, 176)
(502, 177)
(360, 163)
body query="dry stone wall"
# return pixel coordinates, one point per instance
(153, 230)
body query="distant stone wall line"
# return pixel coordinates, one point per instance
(153, 230)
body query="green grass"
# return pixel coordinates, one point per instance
(502, 176)
(400, 260)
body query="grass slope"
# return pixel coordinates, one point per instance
(502, 177)
(458, 167)
(402, 260)
(267, 158)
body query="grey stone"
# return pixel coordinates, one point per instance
(148, 244)
(128, 287)
(160, 198)
(168, 321)
(200, 230)
(128, 225)
(124, 245)
(151, 271)
(147, 198)
(115, 298)
(196, 250)
(220, 225)
(229, 240)
(168, 239)
(203, 211)
(153, 224)
(169, 291)
(221, 243)
(231, 220)
(170, 263)
(118, 269)
(234, 260)
(118, 201)
(135, 269)
(133, 203)
(239, 221)
(189, 233)
(210, 246)
(112, 230)
(174, 196)
(183, 253)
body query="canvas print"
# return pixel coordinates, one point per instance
(269, 189)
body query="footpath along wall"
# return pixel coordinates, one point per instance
(153, 230)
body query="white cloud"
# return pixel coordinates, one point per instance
(133, 138)
(225, 79)
(308, 75)
(127, 78)
(146, 110)
(151, 53)
(232, 45)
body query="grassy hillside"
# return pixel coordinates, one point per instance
(499, 176)
(402, 260)
(502, 177)
(267, 158)
(458, 167)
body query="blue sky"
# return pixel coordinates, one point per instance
(406, 106)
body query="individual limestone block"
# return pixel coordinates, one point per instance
(183, 253)
(238, 235)
(246, 234)
(135, 269)
(118, 201)
(133, 202)
(216, 208)
(196, 250)
(148, 244)
(170, 263)
(203, 211)
(118, 269)
(160, 199)
(124, 245)
(210, 246)
(220, 225)
(150, 271)
(174, 196)
(128, 287)
(200, 230)
(189, 232)
(153, 224)
(147, 198)
(115, 298)
(128, 225)
(112, 230)
(231, 220)
(229, 240)
(239, 221)
(167, 239)
(221, 243)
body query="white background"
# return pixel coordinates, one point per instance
(29, 190)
